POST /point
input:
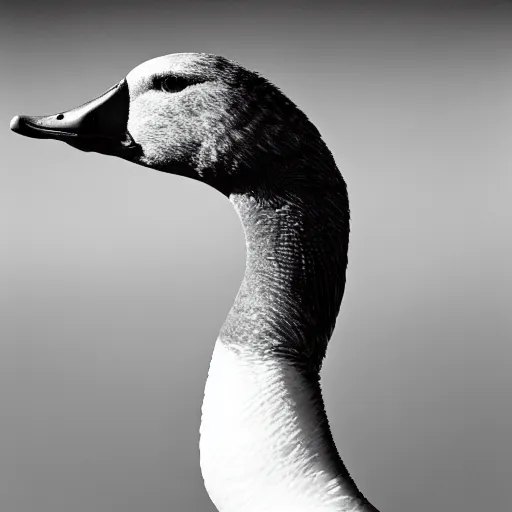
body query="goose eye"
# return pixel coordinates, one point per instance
(174, 84)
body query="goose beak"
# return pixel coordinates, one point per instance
(99, 125)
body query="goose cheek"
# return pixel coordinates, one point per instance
(161, 145)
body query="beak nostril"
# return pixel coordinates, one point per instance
(60, 116)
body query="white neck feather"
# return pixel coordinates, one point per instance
(262, 445)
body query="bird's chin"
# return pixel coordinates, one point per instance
(125, 148)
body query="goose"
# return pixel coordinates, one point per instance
(265, 441)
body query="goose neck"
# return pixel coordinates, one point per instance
(295, 274)
(265, 439)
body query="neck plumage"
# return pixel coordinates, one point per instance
(265, 439)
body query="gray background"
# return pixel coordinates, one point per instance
(116, 279)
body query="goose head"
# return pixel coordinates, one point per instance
(196, 115)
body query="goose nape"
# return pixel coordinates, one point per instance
(265, 440)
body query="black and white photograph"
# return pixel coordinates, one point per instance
(256, 256)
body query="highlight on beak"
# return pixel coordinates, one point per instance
(99, 125)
